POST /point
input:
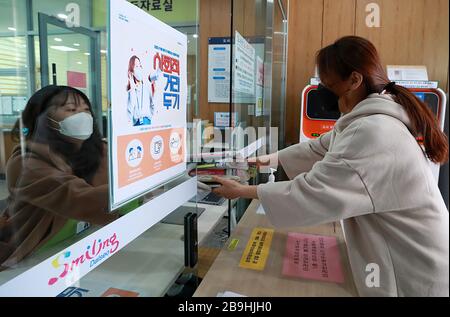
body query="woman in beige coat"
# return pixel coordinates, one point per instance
(57, 177)
(371, 172)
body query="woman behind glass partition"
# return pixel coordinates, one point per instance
(57, 178)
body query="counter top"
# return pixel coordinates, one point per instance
(226, 275)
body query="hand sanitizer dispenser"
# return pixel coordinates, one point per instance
(260, 210)
(272, 175)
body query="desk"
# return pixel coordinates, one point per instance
(226, 275)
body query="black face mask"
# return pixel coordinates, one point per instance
(328, 99)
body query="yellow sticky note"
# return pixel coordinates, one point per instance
(257, 249)
(233, 244)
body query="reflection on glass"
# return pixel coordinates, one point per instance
(52, 181)
(56, 178)
(70, 53)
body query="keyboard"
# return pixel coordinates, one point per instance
(212, 199)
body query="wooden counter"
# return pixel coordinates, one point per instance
(226, 275)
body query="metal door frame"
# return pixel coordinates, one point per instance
(95, 62)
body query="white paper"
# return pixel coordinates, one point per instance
(244, 72)
(402, 72)
(222, 119)
(219, 73)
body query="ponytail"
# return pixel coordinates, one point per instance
(424, 123)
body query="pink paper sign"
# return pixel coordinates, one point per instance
(313, 257)
(76, 79)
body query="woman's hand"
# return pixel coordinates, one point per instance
(270, 160)
(252, 161)
(231, 189)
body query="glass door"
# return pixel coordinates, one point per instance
(70, 56)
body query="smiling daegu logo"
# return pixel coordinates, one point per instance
(94, 253)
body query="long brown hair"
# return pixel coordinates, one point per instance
(355, 54)
(131, 68)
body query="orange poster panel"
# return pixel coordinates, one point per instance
(143, 155)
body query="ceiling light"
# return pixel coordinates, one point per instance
(64, 48)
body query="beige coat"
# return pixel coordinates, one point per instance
(371, 173)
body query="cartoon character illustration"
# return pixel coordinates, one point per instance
(131, 154)
(139, 152)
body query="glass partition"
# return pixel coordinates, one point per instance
(235, 93)
(259, 77)
(53, 195)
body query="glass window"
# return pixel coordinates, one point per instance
(14, 76)
(52, 154)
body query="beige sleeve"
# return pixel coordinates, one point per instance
(301, 157)
(331, 191)
(50, 189)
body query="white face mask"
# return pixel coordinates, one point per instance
(138, 73)
(79, 126)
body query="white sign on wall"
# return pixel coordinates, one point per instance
(219, 55)
(244, 72)
(222, 119)
(407, 72)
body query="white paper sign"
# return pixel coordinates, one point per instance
(244, 72)
(219, 70)
(400, 72)
(222, 119)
